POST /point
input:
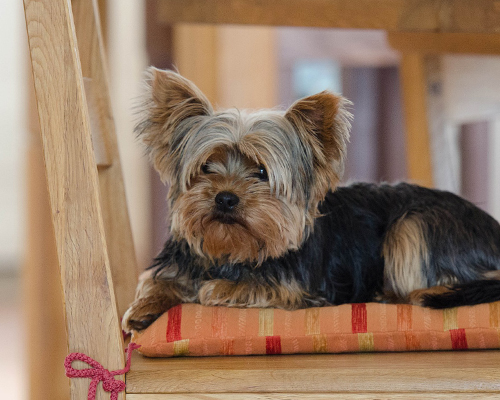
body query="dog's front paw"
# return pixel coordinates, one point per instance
(142, 313)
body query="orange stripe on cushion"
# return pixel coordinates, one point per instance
(359, 318)
(404, 315)
(388, 327)
(219, 321)
(412, 341)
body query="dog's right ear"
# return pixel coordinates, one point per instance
(169, 102)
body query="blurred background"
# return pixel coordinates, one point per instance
(244, 67)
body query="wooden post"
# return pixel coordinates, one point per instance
(233, 66)
(418, 148)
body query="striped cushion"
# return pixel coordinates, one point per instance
(195, 330)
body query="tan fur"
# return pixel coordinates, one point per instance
(287, 294)
(315, 117)
(492, 275)
(417, 296)
(201, 153)
(170, 100)
(154, 296)
(267, 226)
(406, 257)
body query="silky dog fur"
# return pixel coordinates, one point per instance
(258, 218)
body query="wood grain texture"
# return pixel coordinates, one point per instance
(418, 149)
(406, 15)
(113, 203)
(316, 396)
(441, 43)
(91, 315)
(425, 372)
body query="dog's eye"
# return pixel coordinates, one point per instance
(205, 168)
(262, 174)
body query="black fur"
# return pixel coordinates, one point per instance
(466, 294)
(342, 262)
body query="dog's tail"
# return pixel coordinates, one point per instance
(465, 294)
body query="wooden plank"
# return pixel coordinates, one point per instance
(215, 58)
(425, 372)
(407, 15)
(439, 43)
(418, 148)
(195, 55)
(99, 144)
(113, 202)
(315, 396)
(91, 316)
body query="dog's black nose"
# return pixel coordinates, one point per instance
(226, 201)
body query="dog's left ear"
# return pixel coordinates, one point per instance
(172, 104)
(323, 123)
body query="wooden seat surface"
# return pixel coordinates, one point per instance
(419, 373)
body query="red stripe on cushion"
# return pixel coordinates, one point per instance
(359, 319)
(174, 324)
(273, 345)
(458, 339)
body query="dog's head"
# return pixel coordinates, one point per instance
(243, 186)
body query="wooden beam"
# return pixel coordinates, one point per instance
(120, 245)
(394, 15)
(418, 148)
(233, 66)
(439, 43)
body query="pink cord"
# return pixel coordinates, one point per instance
(98, 373)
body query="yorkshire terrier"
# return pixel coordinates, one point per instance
(258, 218)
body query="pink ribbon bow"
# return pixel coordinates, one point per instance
(98, 373)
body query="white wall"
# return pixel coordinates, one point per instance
(126, 62)
(13, 132)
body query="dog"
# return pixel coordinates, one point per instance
(258, 218)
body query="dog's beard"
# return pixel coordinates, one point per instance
(230, 238)
(263, 227)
